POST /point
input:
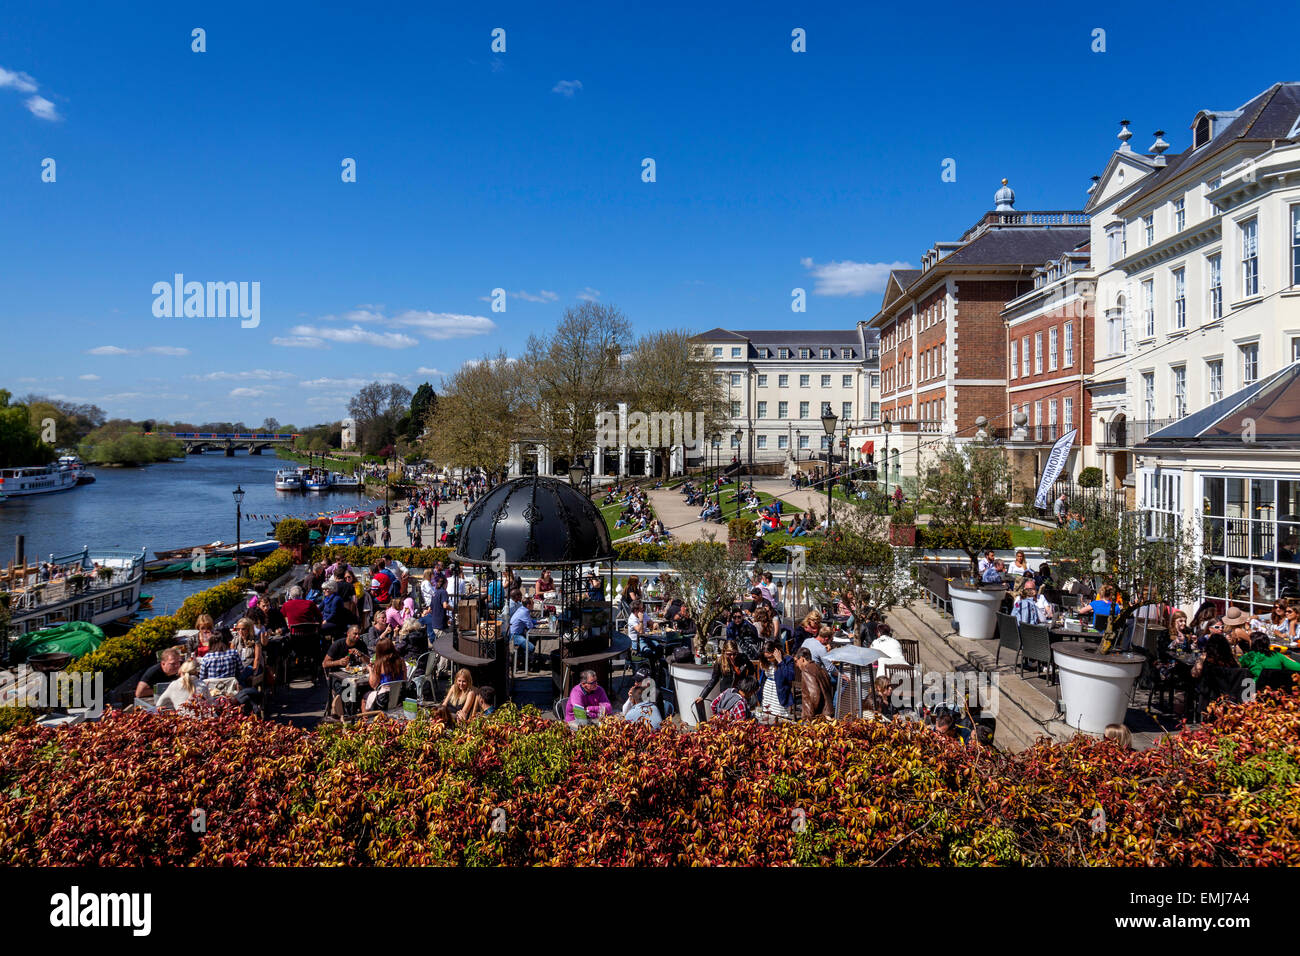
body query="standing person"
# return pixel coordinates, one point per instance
(777, 682)
(1060, 510)
(815, 686)
(387, 536)
(437, 622)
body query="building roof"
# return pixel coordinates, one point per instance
(1265, 413)
(1001, 247)
(1272, 115)
(808, 338)
(718, 333)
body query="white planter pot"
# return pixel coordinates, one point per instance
(688, 683)
(975, 611)
(1095, 688)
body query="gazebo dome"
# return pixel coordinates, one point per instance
(1005, 198)
(534, 521)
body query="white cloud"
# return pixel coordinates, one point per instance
(247, 392)
(41, 108)
(89, 378)
(543, 295)
(348, 382)
(567, 87)
(429, 371)
(850, 278)
(173, 350)
(299, 342)
(17, 80)
(256, 374)
(588, 294)
(325, 401)
(445, 325)
(356, 335)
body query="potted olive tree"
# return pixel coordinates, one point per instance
(965, 489)
(1148, 560)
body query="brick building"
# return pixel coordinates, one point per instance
(943, 339)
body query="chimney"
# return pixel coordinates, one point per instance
(1096, 181)
(1124, 135)
(1159, 147)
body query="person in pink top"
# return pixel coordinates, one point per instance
(590, 696)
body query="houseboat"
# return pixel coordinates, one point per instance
(78, 468)
(288, 481)
(342, 482)
(315, 479)
(38, 480)
(98, 587)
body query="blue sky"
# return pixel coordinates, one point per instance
(522, 171)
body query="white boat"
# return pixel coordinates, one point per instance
(342, 482)
(94, 586)
(78, 467)
(316, 479)
(288, 481)
(39, 480)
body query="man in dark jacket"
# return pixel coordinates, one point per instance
(815, 686)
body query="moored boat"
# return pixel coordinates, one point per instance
(342, 482)
(315, 479)
(287, 481)
(37, 480)
(78, 468)
(93, 586)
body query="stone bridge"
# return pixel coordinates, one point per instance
(198, 442)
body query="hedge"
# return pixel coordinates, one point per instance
(365, 557)
(120, 791)
(935, 538)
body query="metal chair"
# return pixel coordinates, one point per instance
(1008, 637)
(906, 674)
(911, 650)
(1036, 645)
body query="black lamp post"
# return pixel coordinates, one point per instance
(740, 433)
(575, 473)
(587, 468)
(717, 463)
(888, 427)
(239, 500)
(828, 424)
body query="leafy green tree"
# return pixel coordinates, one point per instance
(20, 443)
(707, 578)
(965, 489)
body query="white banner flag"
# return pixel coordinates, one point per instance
(1055, 462)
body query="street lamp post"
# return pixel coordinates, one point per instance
(888, 426)
(717, 464)
(740, 433)
(239, 500)
(828, 425)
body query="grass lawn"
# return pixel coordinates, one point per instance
(1027, 538)
(611, 512)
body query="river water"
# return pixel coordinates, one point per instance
(167, 505)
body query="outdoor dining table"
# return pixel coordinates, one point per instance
(343, 678)
(1073, 633)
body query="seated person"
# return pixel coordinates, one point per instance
(489, 697)
(587, 701)
(387, 667)
(739, 629)
(993, 574)
(167, 669)
(185, 688)
(1105, 605)
(298, 610)
(220, 661)
(521, 621)
(735, 702)
(347, 649)
(1262, 657)
(462, 699)
(642, 701)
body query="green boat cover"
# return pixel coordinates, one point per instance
(75, 638)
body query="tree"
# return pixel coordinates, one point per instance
(20, 443)
(707, 578)
(72, 422)
(424, 405)
(674, 388)
(573, 374)
(856, 559)
(965, 490)
(377, 409)
(271, 427)
(478, 415)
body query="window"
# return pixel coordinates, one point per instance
(1149, 307)
(783, 381)
(764, 353)
(762, 442)
(717, 380)
(1180, 215)
(1149, 395)
(875, 380)
(1024, 357)
(1038, 413)
(804, 380)
(1051, 417)
(826, 381)
(1295, 349)
(782, 409)
(803, 441)
(1149, 228)
(1295, 245)
(1180, 391)
(846, 410)
(805, 353)
(762, 381)
(762, 409)
(846, 381)
(1068, 420)
(1180, 299)
(1249, 363)
(846, 353)
(735, 409)
(1069, 344)
(803, 409)
(1215, 272)
(1038, 353)
(784, 353)
(735, 442)
(783, 442)
(717, 351)
(735, 378)
(1214, 375)
(735, 351)
(1250, 258)
(1015, 351)
(875, 411)
(1115, 241)
(1051, 349)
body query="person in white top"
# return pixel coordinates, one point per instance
(185, 688)
(636, 625)
(641, 703)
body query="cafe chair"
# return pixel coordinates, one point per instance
(911, 650)
(1008, 637)
(1036, 646)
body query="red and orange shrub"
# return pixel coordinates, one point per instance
(519, 790)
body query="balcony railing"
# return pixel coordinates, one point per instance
(1130, 432)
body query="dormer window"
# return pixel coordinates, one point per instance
(1201, 132)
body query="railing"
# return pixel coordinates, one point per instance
(1130, 432)
(27, 597)
(1046, 217)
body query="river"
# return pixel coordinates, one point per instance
(167, 505)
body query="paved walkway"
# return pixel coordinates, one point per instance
(681, 519)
